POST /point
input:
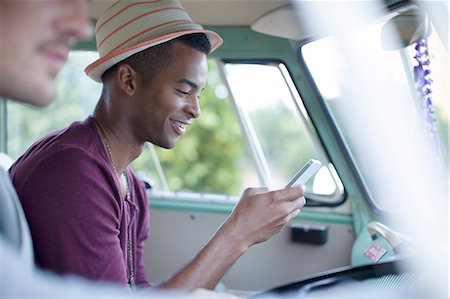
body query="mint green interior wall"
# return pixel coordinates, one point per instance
(225, 208)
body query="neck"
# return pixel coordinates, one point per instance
(118, 141)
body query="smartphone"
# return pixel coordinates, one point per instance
(304, 174)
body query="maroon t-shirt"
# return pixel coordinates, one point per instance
(78, 219)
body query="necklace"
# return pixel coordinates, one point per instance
(123, 178)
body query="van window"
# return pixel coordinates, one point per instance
(277, 127)
(328, 65)
(253, 131)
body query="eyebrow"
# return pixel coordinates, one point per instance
(188, 82)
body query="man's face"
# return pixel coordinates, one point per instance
(166, 106)
(36, 36)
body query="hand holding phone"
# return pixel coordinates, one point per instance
(305, 173)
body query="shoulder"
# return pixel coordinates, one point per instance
(81, 134)
(74, 153)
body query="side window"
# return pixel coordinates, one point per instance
(208, 159)
(253, 131)
(278, 131)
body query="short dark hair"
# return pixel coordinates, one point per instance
(154, 58)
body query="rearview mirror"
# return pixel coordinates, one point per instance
(410, 27)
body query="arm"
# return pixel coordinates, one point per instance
(257, 217)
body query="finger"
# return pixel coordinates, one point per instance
(294, 213)
(303, 187)
(289, 194)
(296, 204)
(301, 201)
(255, 190)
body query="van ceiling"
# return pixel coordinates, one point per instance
(213, 12)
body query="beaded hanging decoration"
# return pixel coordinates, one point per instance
(423, 82)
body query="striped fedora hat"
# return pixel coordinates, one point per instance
(130, 26)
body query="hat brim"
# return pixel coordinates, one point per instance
(96, 69)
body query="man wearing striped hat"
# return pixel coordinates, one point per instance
(88, 211)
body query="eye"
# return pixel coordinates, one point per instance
(182, 92)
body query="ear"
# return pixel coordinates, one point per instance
(126, 78)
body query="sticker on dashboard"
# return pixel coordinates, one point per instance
(375, 252)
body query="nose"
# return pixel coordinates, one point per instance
(194, 107)
(75, 24)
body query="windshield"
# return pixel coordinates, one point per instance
(388, 86)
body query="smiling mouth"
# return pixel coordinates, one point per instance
(180, 125)
(56, 60)
(56, 53)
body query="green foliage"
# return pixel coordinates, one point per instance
(275, 128)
